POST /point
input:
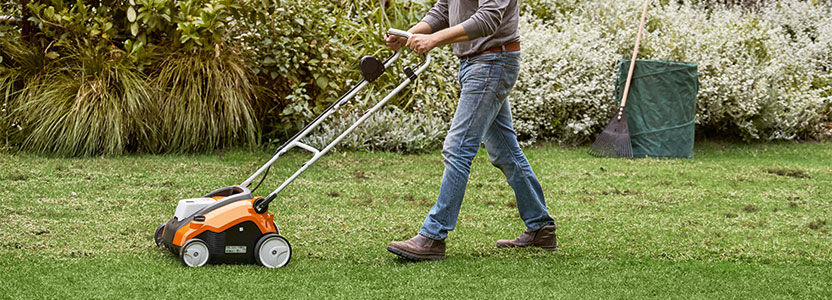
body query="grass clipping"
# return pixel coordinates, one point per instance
(207, 102)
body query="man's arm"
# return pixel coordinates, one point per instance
(486, 19)
(437, 16)
(482, 23)
(422, 43)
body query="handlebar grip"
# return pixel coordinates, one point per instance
(400, 33)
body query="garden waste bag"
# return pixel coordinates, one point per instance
(661, 107)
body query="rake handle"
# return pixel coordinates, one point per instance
(633, 60)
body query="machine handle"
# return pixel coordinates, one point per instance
(401, 33)
(261, 205)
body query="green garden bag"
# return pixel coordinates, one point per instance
(661, 107)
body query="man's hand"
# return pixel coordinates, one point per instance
(395, 42)
(422, 43)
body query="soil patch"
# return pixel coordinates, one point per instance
(788, 172)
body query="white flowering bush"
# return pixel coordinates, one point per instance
(566, 80)
(389, 129)
(765, 74)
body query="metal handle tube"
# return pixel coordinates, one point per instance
(387, 62)
(401, 33)
(308, 128)
(307, 147)
(375, 108)
(291, 143)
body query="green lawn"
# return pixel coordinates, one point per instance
(736, 221)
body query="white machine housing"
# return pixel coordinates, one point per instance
(188, 207)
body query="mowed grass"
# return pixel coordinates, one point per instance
(736, 221)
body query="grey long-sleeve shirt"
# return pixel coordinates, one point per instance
(488, 23)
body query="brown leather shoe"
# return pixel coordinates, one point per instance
(544, 238)
(419, 248)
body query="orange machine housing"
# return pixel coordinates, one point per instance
(230, 227)
(225, 217)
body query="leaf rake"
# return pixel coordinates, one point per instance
(615, 141)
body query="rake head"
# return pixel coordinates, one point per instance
(614, 141)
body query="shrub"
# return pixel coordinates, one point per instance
(389, 129)
(566, 82)
(765, 71)
(764, 75)
(571, 51)
(295, 49)
(306, 54)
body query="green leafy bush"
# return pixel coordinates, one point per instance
(295, 49)
(306, 55)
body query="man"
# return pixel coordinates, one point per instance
(485, 38)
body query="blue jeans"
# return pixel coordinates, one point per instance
(484, 113)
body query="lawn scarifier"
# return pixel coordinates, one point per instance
(229, 225)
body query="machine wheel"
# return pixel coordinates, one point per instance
(272, 251)
(194, 253)
(158, 235)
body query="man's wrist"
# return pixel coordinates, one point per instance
(422, 27)
(434, 40)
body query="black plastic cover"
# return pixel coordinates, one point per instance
(371, 68)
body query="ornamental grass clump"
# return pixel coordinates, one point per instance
(9, 123)
(91, 102)
(18, 65)
(206, 101)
